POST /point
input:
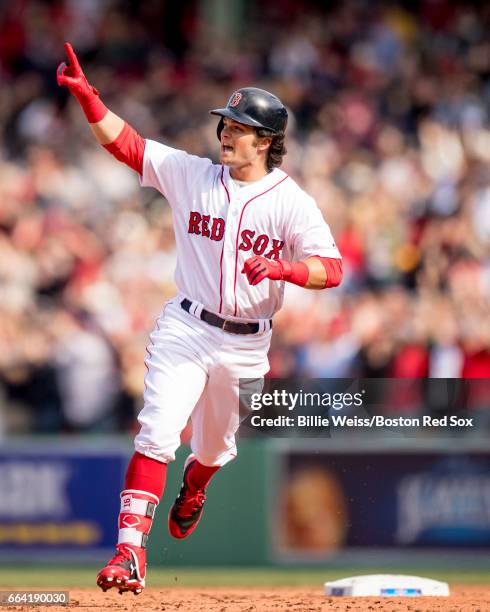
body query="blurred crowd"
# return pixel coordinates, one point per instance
(389, 131)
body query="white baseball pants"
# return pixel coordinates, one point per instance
(193, 372)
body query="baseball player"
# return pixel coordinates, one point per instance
(242, 228)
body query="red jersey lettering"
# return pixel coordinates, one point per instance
(194, 220)
(199, 224)
(246, 243)
(205, 226)
(217, 229)
(261, 244)
(275, 252)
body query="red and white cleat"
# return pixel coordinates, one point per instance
(187, 509)
(126, 571)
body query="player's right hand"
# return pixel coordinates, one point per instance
(257, 268)
(72, 76)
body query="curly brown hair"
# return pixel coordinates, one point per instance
(277, 149)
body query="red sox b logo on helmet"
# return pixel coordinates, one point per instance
(235, 99)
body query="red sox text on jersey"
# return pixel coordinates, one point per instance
(214, 229)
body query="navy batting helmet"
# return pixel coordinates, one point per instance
(255, 107)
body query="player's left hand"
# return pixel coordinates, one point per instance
(73, 77)
(257, 268)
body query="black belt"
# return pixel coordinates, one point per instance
(230, 326)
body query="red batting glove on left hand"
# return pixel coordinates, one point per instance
(72, 76)
(257, 268)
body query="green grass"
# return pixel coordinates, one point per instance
(72, 577)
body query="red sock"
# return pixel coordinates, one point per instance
(146, 474)
(199, 475)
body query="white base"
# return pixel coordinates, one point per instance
(386, 585)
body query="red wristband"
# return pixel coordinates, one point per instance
(333, 268)
(93, 107)
(295, 272)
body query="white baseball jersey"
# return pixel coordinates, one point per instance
(219, 225)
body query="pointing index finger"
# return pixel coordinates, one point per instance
(72, 56)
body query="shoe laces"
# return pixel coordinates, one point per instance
(123, 553)
(189, 504)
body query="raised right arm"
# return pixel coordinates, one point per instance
(107, 129)
(112, 132)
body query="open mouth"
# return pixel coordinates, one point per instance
(226, 149)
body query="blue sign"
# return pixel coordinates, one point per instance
(377, 499)
(60, 501)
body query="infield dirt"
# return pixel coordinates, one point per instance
(302, 599)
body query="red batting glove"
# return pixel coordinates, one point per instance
(72, 76)
(257, 268)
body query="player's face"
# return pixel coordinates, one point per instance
(240, 145)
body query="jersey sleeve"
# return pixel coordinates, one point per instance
(309, 234)
(170, 170)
